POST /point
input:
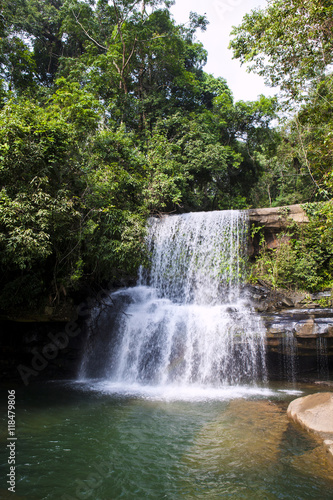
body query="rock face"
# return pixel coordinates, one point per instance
(299, 325)
(278, 217)
(299, 338)
(274, 220)
(315, 413)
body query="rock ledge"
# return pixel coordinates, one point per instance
(278, 217)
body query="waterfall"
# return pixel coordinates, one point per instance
(188, 321)
(197, 258)
(288, 349)
(322, 361)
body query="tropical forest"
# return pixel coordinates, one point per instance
(107, 117)
(166, 250)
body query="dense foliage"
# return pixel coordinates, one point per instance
(290, 43)
(303, 258)
(107, 116)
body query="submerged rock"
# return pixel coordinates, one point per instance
(315, 413)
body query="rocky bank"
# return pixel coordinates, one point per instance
(299, 325)
(315, 413)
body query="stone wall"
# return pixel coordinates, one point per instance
(299, 338)
(276, 218)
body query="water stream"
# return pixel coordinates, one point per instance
(188, 322)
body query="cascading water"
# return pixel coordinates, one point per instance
(188, 322)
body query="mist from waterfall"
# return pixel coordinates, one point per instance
(188, 322)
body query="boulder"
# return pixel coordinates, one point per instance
(305, 328)
(315, 413)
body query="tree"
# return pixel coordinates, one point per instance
(140, 63)
(301, 168)
(37, 210)
(290, 43)
(70, 199)
(314, 126)
(189, 166)
(40, 27)
(246, 127)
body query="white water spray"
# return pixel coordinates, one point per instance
(188, 321)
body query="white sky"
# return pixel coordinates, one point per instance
(222, 15)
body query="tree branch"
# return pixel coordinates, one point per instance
(87, 34)
(305, 153)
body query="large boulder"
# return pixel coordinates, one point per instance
(315, 413)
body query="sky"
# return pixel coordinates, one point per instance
(222, 15)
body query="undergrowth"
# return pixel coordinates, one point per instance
(303, 258)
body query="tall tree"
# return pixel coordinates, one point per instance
(290, 42)
(137, 59)
(39, 26)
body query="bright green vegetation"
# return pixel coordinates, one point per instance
(304, 257)
(290, 43)
(107, 116)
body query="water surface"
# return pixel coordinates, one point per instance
(95, 440)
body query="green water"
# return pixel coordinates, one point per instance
(84, 441)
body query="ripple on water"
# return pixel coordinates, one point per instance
(153, 444)
(252, 443)
(194, 393)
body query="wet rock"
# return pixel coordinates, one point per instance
(305, 328)
(324, 382)
(328, 443)
(321, 295)
(264, 298)
(288, 302)
(315, 413)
